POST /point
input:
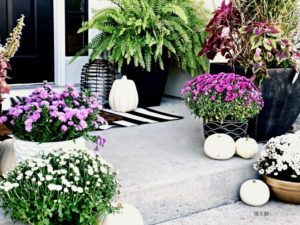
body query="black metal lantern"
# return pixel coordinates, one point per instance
(98, 76)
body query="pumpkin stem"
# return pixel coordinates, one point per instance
(124, 77)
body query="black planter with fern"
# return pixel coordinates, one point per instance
(138, 34)
(150, 85)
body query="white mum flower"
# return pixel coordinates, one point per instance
(80, 190)
(54, 187)
(31, 164)
(28, 173)
(20, 177)
(49, 168)
(90, 170)
(74, 188)
(49, 177)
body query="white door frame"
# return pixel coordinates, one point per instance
(59, 42)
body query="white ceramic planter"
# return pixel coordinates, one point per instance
(28, 149)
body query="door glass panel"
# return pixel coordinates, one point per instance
(76, 14)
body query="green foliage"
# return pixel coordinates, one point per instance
(61, 188)
(143, 32)
(220, 110)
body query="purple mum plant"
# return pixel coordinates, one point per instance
(48, 116)
(220, 97)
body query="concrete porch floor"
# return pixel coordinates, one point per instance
(165, 174)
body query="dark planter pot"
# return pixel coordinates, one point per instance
(234, 129)
(150, 85)
(282, 102)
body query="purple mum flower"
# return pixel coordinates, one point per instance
(64, 128)
(83, 124)
(3, 119)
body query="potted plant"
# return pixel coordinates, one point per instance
(280, 166)
(257, 39)
(6, 52)
(224, 101)
(142, 36)
(47, 119)
(61, 187)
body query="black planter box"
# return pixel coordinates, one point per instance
(282, 102)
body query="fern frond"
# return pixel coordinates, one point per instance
(169, 46)
(177, 10)
(148, 59)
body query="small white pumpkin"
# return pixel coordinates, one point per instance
(254, 192)
(219, 146)
(123, 96)
(246, 147)
(128, 215)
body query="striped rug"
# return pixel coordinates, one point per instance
(139, 116)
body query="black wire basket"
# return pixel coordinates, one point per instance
(98, 76)
(233, 128)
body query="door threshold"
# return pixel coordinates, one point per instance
(28, 86)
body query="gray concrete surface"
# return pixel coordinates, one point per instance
(163, 169)
(273, 213)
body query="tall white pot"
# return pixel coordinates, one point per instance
(28, 149)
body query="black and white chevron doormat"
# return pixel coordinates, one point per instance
(139, 116)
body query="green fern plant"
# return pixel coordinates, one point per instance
(142, 31)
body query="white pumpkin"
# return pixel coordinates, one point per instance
(246, 147)
(123, 96)
(254, 192)
(219, 146)
(128, 215)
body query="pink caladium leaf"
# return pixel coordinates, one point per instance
(283, 55)
(256, 41)
(258, 31)
(270, 57)
(272, 30)
(225, 32)
(257, 67)
(284, 43)
(257, 55)
(268, 44)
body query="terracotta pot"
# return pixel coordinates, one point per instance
(284, 190)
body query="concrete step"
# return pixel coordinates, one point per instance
(273, 213)
(163, 169)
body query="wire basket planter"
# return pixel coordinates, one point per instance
(234, 129)
(98, 76)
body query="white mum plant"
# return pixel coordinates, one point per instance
(72, 187)
(281, 158)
